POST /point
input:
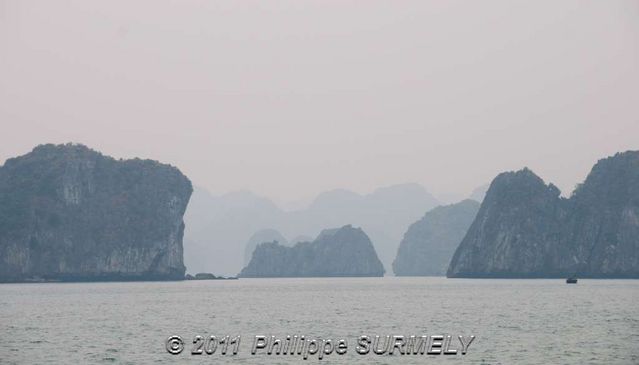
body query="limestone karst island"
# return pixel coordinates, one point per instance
(69, 213)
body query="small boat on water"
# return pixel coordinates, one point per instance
(571, 280)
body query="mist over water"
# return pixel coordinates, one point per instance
(514, 321)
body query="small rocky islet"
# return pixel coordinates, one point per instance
(341, 252)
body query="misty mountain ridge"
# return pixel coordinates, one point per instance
(479, 193)
(218, 227)
(430, 243)
(263, 235)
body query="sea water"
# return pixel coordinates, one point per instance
(513, 321)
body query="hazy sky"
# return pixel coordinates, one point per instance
(290, 98)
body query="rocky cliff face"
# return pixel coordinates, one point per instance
(429, 243)
(69, 213)
(524, 229)
(346, 251)
(602, 223)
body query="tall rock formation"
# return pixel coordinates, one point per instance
(525, 229)
(69, 213)
(602, 224)
(346, 251)
(429, 243)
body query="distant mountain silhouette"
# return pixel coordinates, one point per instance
(429, 243)
(263, 235)
(300, 238)
(479, 193)
(218, 227)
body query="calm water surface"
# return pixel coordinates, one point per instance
(514, 321)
